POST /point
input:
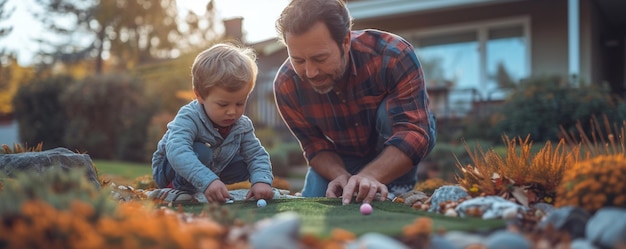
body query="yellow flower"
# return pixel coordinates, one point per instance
(548, 199)
(474, 189)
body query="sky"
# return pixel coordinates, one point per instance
(258, 22)
(259, 15)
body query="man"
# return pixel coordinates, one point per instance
(355, 100)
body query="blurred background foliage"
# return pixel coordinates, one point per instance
(112, 95)
(542, 107)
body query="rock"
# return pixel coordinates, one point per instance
(375, 241)
(438, 242)
(569, 219)
(463, 239)
(280, 232)
(544, 208)
(607, 227)
(492, 207)
(40, 161)
(582, 244)
(414, 196)
(446, 193)
(508, 240)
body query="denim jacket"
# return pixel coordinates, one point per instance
(190, 125)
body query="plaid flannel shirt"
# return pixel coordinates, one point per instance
(383, 67)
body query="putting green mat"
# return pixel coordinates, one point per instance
(321, 215)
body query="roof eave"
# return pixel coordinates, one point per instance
(364, 10)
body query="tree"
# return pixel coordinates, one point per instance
(5, 14)
(199, 30)
(503, 77)
(128, 32)
(12, 77)
(8, 61)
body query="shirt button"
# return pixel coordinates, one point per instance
(356, 124)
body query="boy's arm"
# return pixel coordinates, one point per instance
(257, 158)
(180, 154)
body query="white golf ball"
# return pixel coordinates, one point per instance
(261, 203)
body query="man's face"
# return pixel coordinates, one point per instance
(316, 57)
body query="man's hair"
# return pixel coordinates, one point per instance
(300, 15)
(225, 65)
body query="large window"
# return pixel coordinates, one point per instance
(476, 62)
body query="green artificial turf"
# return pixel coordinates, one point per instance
(321, 215)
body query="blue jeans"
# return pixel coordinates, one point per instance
(315, 185)
(236, 171)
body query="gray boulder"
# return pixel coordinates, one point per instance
(10, 164)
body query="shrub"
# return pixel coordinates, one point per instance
(155, 130)
(539, 106)
(284, 156)
(607, 139)
(54, 186)
(40, 113)
(429, 186)
(18, 148)
(519, 174)
(445, 157)
(58, 209)
(108, 117)
(594, 183)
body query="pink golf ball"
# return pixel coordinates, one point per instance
(366, 209)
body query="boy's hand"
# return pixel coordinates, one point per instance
(260, 191)
(217, 192)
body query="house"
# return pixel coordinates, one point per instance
(470, 49)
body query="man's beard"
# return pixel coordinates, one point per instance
(323, 89)
(326, 88)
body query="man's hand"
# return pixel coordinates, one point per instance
(335, 187)
(260, 191)
(217, 192)
(365, 188)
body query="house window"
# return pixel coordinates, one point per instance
(505, 60)
(476, 62)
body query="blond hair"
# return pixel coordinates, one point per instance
(225, 65)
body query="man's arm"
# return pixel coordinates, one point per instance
(330, 166)
(407, 107)
(388, 166)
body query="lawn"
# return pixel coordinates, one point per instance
(122, 172)
(321, 215)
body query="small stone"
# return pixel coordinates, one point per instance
(505, 239)
(510, 213)
(451, 212)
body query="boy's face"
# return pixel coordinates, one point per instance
(224, 108)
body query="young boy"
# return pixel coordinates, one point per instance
(210, 143)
